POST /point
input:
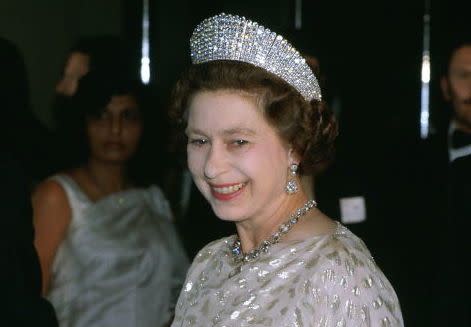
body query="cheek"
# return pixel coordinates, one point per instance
(460, 89)
(95, 134)
(195, 160)
(133, 134)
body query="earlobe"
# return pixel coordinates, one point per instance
(445, 86)
(293, 157)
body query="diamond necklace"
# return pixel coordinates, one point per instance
(240, 257)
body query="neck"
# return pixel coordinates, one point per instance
(108, 178)
(252, 232)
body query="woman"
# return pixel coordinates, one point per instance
(252, 111)
(108, 250)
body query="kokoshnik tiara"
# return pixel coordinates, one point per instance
(231, 37)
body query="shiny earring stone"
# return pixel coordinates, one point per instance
(292, 185)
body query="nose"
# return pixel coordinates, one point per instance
(116, 125)
(216, 162)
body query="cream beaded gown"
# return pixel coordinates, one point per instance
(328, 280)
(121, 263)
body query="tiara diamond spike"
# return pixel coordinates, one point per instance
(231, 37)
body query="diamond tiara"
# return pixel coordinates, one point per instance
(231, 37)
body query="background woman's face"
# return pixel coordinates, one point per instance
(114, 135)
(237, 159)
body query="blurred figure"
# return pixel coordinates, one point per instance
(443, 175)
(453, 154)
(31, 146)
(456, 88)
(22, 303)
(108, 248)
(106, 54)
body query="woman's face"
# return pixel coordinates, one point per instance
(114, 135)
(237, 159)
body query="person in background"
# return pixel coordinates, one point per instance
(107, 245)
(105, 54)
(446, 174)
(456, 89)
(22, 304)
(254, 118)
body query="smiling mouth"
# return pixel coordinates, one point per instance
(228, 189)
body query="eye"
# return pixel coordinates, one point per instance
(240, 142)
(131, 115)
(100, 115)
(197, 141)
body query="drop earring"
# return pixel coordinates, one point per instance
(292, 185)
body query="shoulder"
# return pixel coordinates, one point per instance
(345, 254)
(158, 202)
(214, 250)
(156, 193)
(50, 192)
(207, 256)
(345, 272)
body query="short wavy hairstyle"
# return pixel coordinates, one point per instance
(310, 128)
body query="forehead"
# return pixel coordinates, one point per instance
(122, 102)
(225, 109)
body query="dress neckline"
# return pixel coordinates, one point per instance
(85, 196)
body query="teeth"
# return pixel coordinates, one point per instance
(228, 189)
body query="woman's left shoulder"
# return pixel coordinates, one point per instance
(344, 251)
(158, 201)
(346, 272)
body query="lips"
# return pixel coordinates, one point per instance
(114, 145)
(227, 192)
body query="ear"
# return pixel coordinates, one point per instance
(445, 86)
(293, 157)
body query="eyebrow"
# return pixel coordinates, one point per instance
(226, 132)
(239, 130)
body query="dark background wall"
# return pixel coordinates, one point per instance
(369, 50)
(44, 30)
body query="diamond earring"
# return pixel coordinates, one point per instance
(292, 185)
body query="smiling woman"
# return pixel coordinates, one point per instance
(252, 112)
(230, 167)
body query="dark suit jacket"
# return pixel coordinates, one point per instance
(21, 302)
(456, 246)
(446, 202)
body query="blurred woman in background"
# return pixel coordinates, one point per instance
(108, 248)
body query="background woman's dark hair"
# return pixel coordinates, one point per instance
(309, 127)
(94, 92)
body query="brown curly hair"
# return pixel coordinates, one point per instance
(309, 127)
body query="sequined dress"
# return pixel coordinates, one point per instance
(328, 280)
(121, 263)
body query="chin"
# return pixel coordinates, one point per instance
(114, 160)
(228, 213)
